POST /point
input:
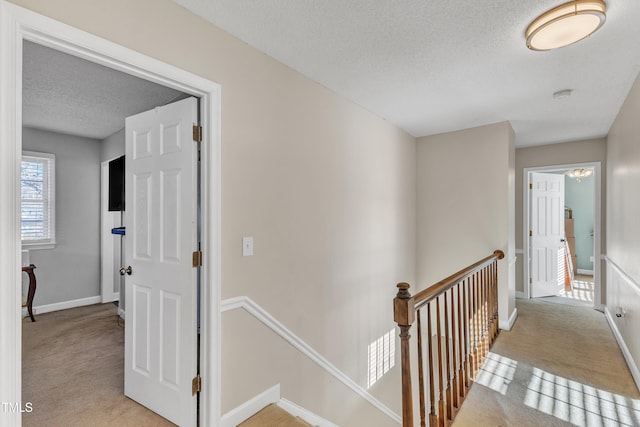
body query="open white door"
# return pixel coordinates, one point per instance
(160, 285)
(546, 223)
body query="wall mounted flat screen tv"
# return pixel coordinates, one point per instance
(116, 184)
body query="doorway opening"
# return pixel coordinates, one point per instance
(20, 25)
(562, 234)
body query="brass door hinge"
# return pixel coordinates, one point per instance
(197, 133)
(196, 385)
(530, 186)
(530, 233)
(197, 259)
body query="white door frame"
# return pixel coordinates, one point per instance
(597, 175)
(107, 241)
(18, 24)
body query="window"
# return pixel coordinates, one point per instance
(37, 207)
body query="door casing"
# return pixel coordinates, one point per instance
(597, 297)
(18, 24)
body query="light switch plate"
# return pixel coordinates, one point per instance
(247, 246)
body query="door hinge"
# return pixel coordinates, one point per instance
(197, 259)
(530, 233)
(196, 385)
(197, 133)
(530, 186)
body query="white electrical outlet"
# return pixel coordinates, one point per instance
(247, 246)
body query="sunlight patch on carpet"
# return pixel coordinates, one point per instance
(580, 404)
(497, 372)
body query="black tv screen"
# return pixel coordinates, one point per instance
(116, 184)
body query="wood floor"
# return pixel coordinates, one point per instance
(73, 371)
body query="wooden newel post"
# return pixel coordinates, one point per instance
(404, 315)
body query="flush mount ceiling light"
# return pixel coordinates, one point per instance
(579, 173)
(566, 24)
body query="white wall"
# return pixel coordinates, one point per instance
(326, 189)
(466, 205)
(71, 270)
(623, 227)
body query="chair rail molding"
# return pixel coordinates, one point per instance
(251, 307)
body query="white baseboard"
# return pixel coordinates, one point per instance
(305, 414)
(509, 324)
(635, 372)
(121, 313)
(277, 327)
(41, 309)
(250, 407)
(585, 272)
(521, 295)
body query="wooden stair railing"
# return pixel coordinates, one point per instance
(464, 308)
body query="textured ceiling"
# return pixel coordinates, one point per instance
(433, 66)
(66, 94)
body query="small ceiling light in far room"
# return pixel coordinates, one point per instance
(566, 24)
(578, 173)
(562, 94)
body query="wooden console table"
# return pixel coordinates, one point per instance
(32, 289)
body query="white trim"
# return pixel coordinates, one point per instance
(108, 241)
(18, 24)
(263, 316)
(298, 411)
(635, 285)
(597, 233)
(10, 156)
(519, 251)
(635, 372)
(251, 407)
(64, 305)
(585, 272)
(521, 295)
(270, 396)
(506, 326)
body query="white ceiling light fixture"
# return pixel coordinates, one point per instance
(566, 24)
(578, 173)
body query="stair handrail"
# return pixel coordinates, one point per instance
(405, 307)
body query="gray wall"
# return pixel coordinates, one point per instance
(71, 270)
(112, 146)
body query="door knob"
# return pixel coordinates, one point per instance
(127, 270)
(562, 240)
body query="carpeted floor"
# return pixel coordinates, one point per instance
(73, 371)
(559, 366)
(274, 416)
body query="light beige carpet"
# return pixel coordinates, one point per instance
(559, 366)
(73, 371)
(274, 416)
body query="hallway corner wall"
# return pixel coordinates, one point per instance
(623, 228)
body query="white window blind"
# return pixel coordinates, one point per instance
(37, 185)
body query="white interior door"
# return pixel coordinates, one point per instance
(160, 220)
(546, 223)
